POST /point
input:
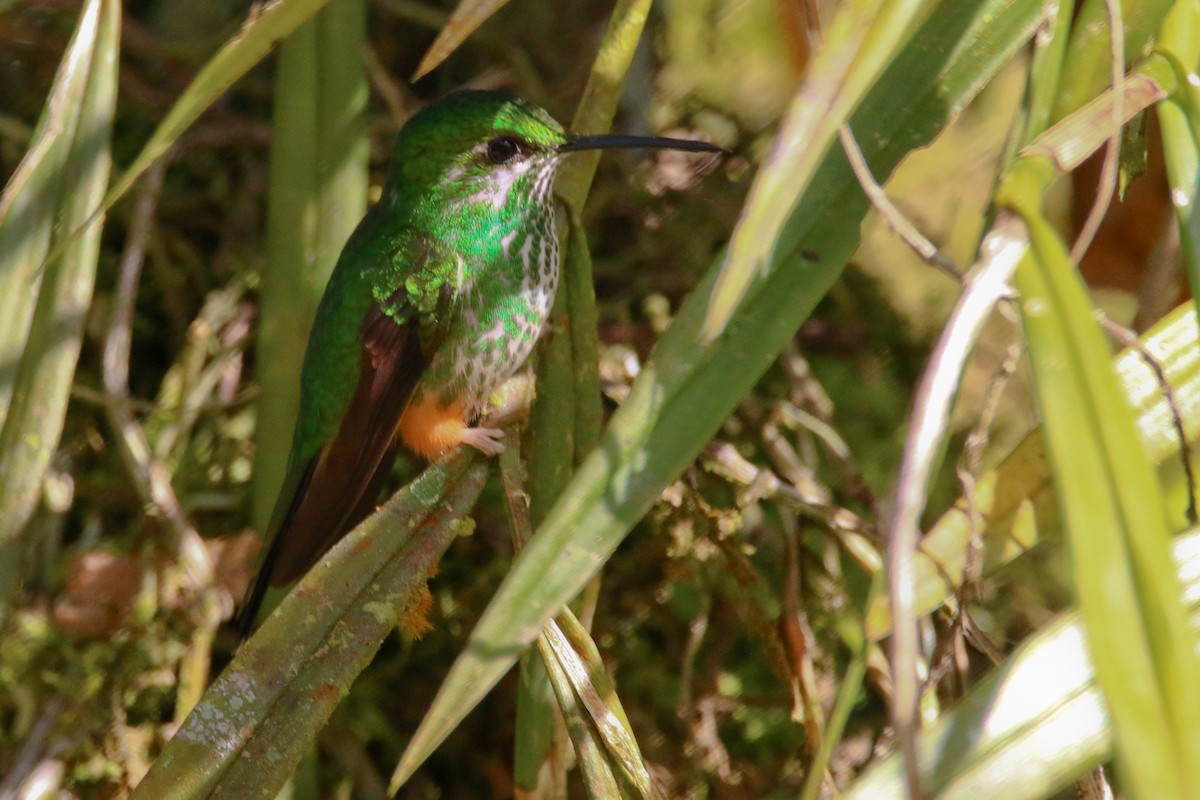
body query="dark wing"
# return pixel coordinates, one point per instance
(352, 461)
(338, 487)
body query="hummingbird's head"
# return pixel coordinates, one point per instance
(486, 150)
(489, 155)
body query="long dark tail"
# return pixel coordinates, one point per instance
(280, 523)
(248, 614)
(267, 578)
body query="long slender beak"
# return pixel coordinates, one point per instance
(613, 142)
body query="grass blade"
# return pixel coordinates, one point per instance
(28, 206)
(1179, 117)
(467, 16)
(1113, 514)
(53, 193)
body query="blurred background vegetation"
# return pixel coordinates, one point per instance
(723, 617)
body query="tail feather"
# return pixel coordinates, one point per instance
(280, 523)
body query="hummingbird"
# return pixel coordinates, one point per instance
(437, 298)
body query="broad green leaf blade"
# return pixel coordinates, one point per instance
(52, 194)
(31, 200)
(317, 195)
(468, 16)
(1113, 516)
(1031, 726)
(831, 91)
(694, 382)
(271, 24)
(870, 32)
(262, 714)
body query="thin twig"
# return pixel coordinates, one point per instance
(1094, 785)
(37, 747)
(1001, 250)
(788, 463)
(852, 531)
(391, 90)
(1129, 340)
(969, 468)
(697, 628)
(796, 635)
(969, 464)
(150, 475)
(891, 215)
(512, 475)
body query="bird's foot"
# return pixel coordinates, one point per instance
(489, 441)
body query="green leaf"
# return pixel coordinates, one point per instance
(44, 305)
(1179, 116)
(1089, 54)
(1113, 515)
(467, 16)
(601, 95)
(29, 204)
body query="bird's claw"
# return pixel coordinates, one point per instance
(488, 441)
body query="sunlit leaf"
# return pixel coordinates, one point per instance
(1113, 515)
(468, 16)
(45, 304)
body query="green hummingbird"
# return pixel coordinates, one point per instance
(437, 298)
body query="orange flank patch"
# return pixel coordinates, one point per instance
(429, 428)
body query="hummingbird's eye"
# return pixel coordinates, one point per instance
(502, 150)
